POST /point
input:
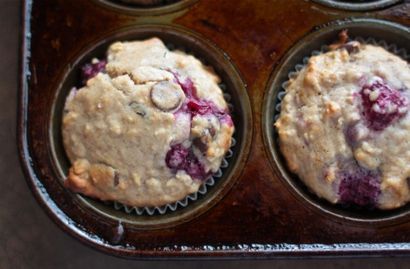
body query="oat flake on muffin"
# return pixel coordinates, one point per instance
(344, 126)
(148, 128)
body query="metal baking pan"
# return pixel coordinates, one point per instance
(258, 210)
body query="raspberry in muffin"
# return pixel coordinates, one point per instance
(344, 126)
(148, 128)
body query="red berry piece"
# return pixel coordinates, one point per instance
(90, 70)
(359, 187)
(382, 105)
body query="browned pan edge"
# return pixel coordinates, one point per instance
(172, 251)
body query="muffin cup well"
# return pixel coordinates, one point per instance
(145, 10)
(391, 36)
(234, 89)
(366, 5)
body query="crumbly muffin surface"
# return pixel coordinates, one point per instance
(149, 130)
(344, 126)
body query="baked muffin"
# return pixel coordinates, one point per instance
(344, 126)
(148, 128)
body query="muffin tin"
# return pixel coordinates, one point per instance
(257, 208)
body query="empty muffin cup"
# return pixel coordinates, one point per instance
(217, 185)
(391, 37)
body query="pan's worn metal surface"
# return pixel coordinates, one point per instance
(257, 211)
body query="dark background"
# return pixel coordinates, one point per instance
(29, 239)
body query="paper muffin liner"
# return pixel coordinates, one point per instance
(391, 47)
